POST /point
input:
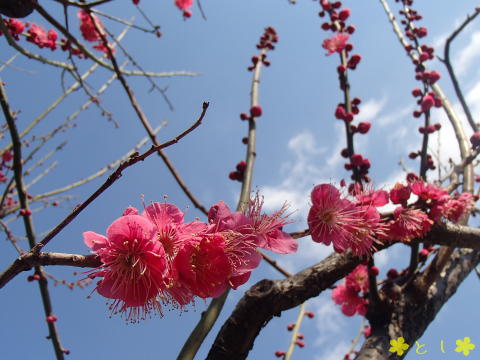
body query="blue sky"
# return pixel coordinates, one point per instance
(298, 145)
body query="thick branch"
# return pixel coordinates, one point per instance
(411, 316)
(269, 298)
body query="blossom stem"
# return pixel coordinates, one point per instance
(345, 86)
(298, 323)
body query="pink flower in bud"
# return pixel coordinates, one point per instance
(256, 111)
(241, 166)
(427, 103)
(279, 353)
(400, 194)
(340, 112)
(416, 92)
(421, 32)
(349, 117)
(354, 61)
(432, 77)
(300, 343)
(363, 127)
(475, 140)
(367, 331)
(290, 327)
(309, 314)
(341, 69)
(350, 29)
(244, 116)
(356, 159)
(51, 319)
(336, 44)
(392, 274)
(356, 101)
(409, 224)
(344, 14)
(375, 270)
(326, 26)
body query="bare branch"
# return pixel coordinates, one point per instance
(451, 72)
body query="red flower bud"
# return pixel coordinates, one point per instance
(416, 92)
(392, 274)
(51, 318)
(256, 111)
(344, 14)
(427, 103)
(363, 127)
(375, 270)
(356, 159)
(475, 139)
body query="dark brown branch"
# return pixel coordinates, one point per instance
(269, 298)
(27, 219)
(143, 119)
(451, 71)
(411, 315)
(135, 158)
(29, 260)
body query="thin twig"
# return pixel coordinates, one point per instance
(146, 124)
(99, 61)
(135, 158)
(451, 71)
(293, 339)
(27, 219)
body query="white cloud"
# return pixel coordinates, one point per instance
(329, 319)
(370, 109)
(467, 55)
(338, 352)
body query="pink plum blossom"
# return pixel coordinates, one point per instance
(336, 43)
(133, 267)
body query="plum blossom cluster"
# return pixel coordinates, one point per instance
(37, 35)
(349, 108)
(348, 224)
(266, 43)
(354, 223)
(89, 31)
(352, 294)
(155, 257)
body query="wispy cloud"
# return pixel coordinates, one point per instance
(467, 55)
